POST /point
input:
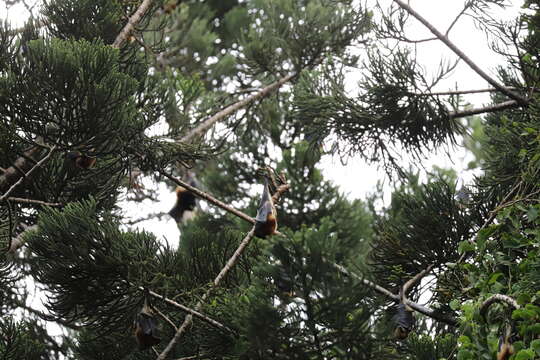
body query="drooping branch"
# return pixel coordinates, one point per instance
(132, 22)
(511, 94)
(494, 299)
(192, 312)
(231, 109)
(415, 306)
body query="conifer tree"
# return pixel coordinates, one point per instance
(248, 92)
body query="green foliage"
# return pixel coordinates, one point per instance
(384, 119)
(298, 34)
(17, 342)
(92, 269)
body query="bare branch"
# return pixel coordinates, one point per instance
(487, 109)
(192, 312)
(416, 278)
(12, 174)
(41, 162)
(458, 16)
(415, 306)
(208, 197)
(164, 317)
(205, 125)
(521, 100)
(32, 201)
(132, 22)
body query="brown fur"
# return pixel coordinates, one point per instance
(269, 227)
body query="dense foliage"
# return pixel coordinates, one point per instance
(102, 101)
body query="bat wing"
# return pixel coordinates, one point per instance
(403, 318)
(148, 324)
(265, 205)
(264, 210)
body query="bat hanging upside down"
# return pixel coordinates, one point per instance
(266, 221)
(404, 321)
(80, 160)
(186, 204)
(145, 328)
(506, 349)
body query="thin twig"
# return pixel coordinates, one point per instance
(132, 22)
(415, 306)
(207, 197)
(41, 162)
(416, 278)
(207, 124)
(32, 201)
(164, 317)
(511, 94)
(192, 312)
(459, 92)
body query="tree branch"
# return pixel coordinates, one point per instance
(497, 298)
(415, 306)
(192, 312)
(41, 162)
(18, 242)
(487, 109)
(511, 94)
(12, 174)
(205, 125)
(32, 201)
(208, 197)
(132, 22)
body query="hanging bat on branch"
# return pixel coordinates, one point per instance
(506, 348)
(145, 328)
(185, 207)
(403, 319)
(80, 160)
(266, 221)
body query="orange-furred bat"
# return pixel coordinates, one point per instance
(80, 160)
(186, 204)
(506, 349)
(266, 221)
(145, 328)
